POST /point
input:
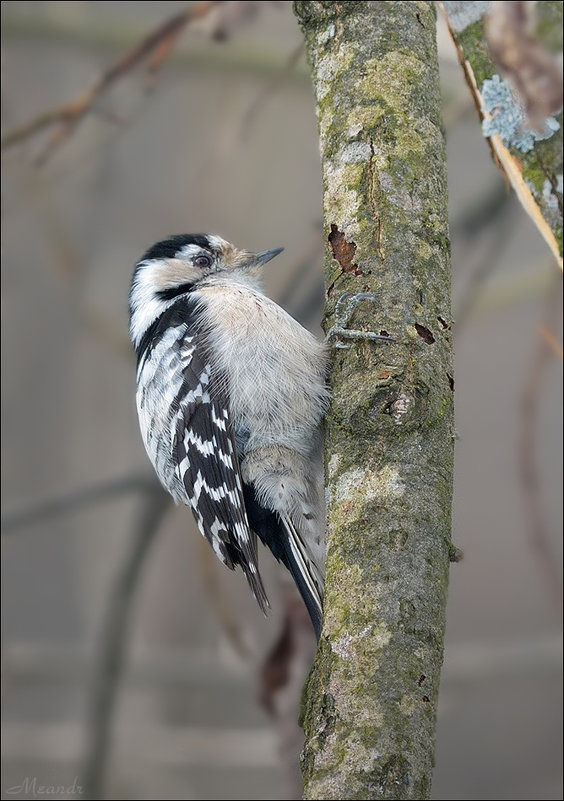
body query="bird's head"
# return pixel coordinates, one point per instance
(177, 265)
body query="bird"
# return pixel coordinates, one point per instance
(231, 396)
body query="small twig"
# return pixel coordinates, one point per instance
(160, 55)
(114, 642)
(43, 120)
(538, 533)
(158, 42)
(42, 510)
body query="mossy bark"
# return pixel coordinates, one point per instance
(541, 167)
(370, 704)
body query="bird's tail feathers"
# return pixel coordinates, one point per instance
(305, 572)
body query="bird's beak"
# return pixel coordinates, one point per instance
(259, 259)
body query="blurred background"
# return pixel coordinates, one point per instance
(99, 571)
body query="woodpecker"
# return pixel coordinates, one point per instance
(231, 395)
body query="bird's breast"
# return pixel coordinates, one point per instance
(275, 368)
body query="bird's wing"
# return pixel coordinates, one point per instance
(207, 466)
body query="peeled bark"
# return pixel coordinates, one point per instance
(370, 705)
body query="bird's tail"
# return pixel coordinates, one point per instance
(285, 510)
(305, 572)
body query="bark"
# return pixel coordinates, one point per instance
(523, 38)
(369, 707)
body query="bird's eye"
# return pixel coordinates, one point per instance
(202, 261)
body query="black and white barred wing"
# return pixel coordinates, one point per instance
(207, 466)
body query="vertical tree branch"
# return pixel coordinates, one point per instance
(370, 704)
(114, 641)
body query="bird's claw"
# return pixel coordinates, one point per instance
(344, 311)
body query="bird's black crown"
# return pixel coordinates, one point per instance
(168, 248)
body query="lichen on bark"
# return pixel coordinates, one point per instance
(370, 705)
(537, 172)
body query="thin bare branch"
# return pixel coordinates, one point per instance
(160, 54)
(158, 44)
(114, 642)
(46, 508)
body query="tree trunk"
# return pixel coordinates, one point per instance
(370, 704)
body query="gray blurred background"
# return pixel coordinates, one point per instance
(227, 143)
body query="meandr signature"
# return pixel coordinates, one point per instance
(33, 788)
